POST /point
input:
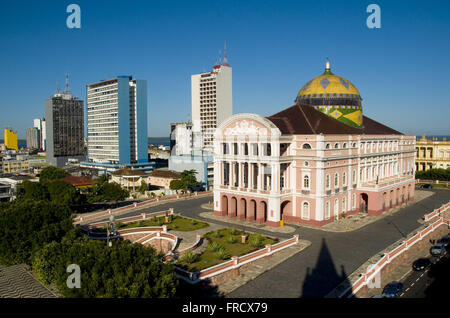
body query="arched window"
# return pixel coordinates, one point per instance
(336, 146)
(336, 207)
(344, 146)
(344, 179)
(354, 145)
(353, 201)
(336, 180)
(328, 185)
(327, 146)
(327, 210)
(306, 146)
(305, 211)
(306, 182)
(344, 205)
(354, 177)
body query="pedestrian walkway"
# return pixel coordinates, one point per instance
(357, 221)
(282, 229)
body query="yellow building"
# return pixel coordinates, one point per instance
(11, 166)
(10, 139)
(432, 154)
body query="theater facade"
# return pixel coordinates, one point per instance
(312, 163)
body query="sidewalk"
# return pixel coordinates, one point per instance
(357, 221)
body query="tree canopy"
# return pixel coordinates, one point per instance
(434, 174)
(123, 270)
(187, 180)
(27, 225)
(52, 173)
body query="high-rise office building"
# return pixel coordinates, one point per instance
(64, 128)
(39, 123)
(211, 95)
(33, 138)
(10, 138)
(117, 123)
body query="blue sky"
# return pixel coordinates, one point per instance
(274, 47)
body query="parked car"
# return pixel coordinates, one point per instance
(392, 290)
(421, 264)
(438, 249)
(445, 240)
(427, 186)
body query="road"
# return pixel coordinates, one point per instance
(419, 284)
(331, 257)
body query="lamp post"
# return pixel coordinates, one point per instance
(110, 228)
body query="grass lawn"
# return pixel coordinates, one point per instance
(176, 223)
(210, 258)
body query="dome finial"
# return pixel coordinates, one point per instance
(327, 67)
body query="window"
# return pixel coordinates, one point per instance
(353, 201)
(327, 210)
(336, 146)
(306, 146)
(344, 146)
(344, 205)
(354, 177)
(354, 145)
(305, 211)
(327, 146)
(336, 180)
(225, 149)
(344, 179)
(328, 181)
(306, 182)
(336, 207)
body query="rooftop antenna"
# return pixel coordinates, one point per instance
(66, 90)
(57, 87)
(225, 58)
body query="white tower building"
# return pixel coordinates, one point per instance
(211, 95)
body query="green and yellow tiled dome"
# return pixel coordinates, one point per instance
(334, 96)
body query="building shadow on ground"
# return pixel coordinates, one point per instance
(200, 290)
(321, 279)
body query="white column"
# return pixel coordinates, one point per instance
(250, 175)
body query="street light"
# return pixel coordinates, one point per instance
(110, 228)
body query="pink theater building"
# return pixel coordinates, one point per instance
(311, 163)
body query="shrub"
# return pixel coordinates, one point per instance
(234, 231)
(189, 258)
(256, 240)
(231, 239)
(222, 253)
(214, 247)
(194, 222)
(217, 234)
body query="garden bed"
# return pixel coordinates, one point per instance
(223, 244)
(176, 223)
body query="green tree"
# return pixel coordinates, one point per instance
(123, 270)
(27, 225)
(33, 191)
(189, 179)
(52, 173)
(103, 178)
(143, 187)
(62, 192)
(112, 191)
(176, 185)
